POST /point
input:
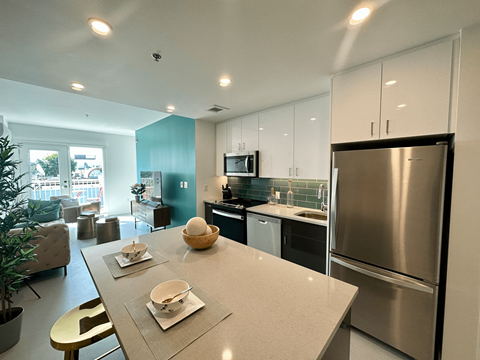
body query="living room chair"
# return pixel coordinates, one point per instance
(72, 209)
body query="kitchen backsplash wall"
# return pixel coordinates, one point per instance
(305, 191)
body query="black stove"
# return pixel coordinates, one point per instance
(231, 217)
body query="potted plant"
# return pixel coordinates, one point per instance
(137, 190)
(15, 249)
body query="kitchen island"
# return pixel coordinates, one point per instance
(279, 310)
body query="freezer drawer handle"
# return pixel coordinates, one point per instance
(262, 222)
(383, 277)
(230, 215)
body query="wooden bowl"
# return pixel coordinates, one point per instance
(201, 241)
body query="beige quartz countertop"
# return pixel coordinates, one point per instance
(279, 310)
(284, 212)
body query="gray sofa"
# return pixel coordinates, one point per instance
(70, 213)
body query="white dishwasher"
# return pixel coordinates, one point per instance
(264, 233)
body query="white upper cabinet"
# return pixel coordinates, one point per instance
(415, 90)
(250, 133)
(242, 134)
(418, 102)
(312, 145)
(356, 105)
(221, 147)
(234, 136)
(275, 141)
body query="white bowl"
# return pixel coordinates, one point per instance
(129, 254)
(167, 290)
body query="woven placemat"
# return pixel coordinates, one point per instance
(118, 271)
(164, 344)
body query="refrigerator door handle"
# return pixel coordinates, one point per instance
(407, 284)
(333, 210)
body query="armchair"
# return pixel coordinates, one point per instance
(72, 210)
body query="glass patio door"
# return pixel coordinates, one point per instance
(87, 174)
(48, 168)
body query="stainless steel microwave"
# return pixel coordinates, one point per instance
(241, 164)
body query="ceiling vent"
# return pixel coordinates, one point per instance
(216, 108)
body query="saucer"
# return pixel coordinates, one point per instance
(124, 262)
(166, 320)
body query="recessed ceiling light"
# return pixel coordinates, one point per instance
(170, 107)
(402, 105)
(313, 119)
(391, 82)
(285, 134)
(77, 86)
(359, 15)
(100, 26)
(260, 129)
(225, 81)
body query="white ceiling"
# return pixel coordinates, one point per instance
(275, 52)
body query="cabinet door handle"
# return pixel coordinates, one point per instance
(243, 146)
(239, 146)
(388, 126)
(296, 172)
(371, 128)
(284, 239)
(289, 171)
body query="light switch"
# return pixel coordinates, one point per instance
(181, 184)
(205, 187)
(185, 185)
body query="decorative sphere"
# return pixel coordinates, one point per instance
(209, 231)
(196, 226)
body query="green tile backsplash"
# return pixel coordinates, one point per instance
(305, 191)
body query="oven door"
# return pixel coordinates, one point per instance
(231, 225)
(241, 164)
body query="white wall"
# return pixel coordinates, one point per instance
(205, 165)
(119, 158)
(462, 308)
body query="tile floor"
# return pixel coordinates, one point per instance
(61, 293)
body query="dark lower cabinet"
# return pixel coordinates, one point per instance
(305, 244)
(208, 214)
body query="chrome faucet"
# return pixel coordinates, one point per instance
(321, 193)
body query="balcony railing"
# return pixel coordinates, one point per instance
(81, 189)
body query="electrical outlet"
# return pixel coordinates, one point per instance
(185, 185)
(277, 194)
(205, 187)
(128, 199)
(181, 184)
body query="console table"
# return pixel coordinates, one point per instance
(154, 217)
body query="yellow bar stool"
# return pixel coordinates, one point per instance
(82, 326)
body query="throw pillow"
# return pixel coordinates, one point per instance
(48, 210)
(69, 202)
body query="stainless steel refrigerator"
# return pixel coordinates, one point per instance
(387, 210)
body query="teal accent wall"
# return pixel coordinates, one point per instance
(168, 145)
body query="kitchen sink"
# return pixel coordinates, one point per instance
(312, 215)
